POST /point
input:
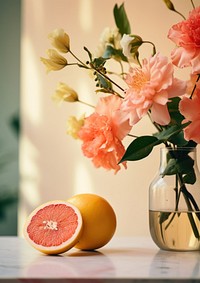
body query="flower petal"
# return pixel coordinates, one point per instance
(160, 114)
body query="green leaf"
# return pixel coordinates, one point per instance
(170, 132)
(140, 148)
(98, 62)
(121, 19)
(173, 107)
(98, 65)
(185, 164)
(103, 82)
(171, 167)
(191, 144)
(179, 139)
(190, 178)
(179, 165)
(104, 90)
(114, 53)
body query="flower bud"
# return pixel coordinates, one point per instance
(60, 40)
(55, 61)
(169, 5)
(130, 45)
(65, 93)
(74, 125)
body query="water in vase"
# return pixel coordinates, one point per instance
(175, 230)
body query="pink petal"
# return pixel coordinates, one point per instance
(161, 97)
(181, 57)
(160, 114)
(186, 107)
(196, 63)
(192, 132)
(178, 88)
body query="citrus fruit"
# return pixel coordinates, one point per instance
(99, 221)
(53, 227)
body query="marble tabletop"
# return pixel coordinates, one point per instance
(134, 259)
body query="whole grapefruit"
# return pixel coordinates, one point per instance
(99, 221)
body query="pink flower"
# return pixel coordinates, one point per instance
(190, 109)
(150, 88)
(186, 35)
(102, 134)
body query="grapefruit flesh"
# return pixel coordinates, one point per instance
(54, 227)
(99, 221)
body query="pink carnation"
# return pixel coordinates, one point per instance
(150, 88)
(186, 35)
(190, 109)
(102, 134)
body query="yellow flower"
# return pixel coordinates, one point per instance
(74, 125)
(64, 93)
(60, 40)
(55, 61)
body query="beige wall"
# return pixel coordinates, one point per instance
(51, 163)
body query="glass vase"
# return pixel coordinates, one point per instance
(174, 201)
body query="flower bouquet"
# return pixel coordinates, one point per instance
(142, 87)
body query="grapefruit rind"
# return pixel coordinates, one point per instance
(66, 245)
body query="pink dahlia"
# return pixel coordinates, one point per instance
(186, 35)
(190, 109)
(150, 88)
(102, 134)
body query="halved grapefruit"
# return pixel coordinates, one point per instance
(54, 227)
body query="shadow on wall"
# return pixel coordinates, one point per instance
(10, 30)
(8, 193)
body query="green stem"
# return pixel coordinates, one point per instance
(178, 193)
(85, 103)
(190, 209)
(191, 218)
(188, 199)
(157, 126)
(193, 6)
(154, 47)
(122, 69)
(180, 14)
(107, 78)
(198, 77)
(133, 136)
(170, 221)
(82, 63)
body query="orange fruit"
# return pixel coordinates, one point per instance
(99, 221)
(53, 227)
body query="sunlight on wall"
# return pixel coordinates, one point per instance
(31, 112)
(31, 82)
(85, 14)
(81, 172)
(80, 175)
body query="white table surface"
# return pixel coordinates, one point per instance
(122, 260)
